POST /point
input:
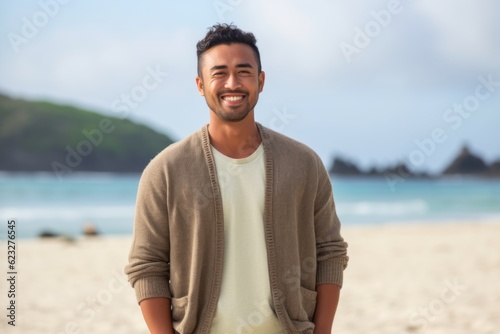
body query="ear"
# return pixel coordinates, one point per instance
(199, 85)
(262, 79)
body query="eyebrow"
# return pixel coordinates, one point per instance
(220, 67)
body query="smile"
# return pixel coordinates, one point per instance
(232, 98)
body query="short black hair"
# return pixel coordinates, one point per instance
(223, 33)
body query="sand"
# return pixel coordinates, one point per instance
(418, 278)
(422, 279)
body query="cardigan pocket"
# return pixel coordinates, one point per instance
(179, 306)
(308, 303)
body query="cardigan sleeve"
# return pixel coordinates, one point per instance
(149, 258)
(331, 249)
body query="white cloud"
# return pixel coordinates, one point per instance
(92, 66)
(467, 31)
(299, 37)
(428, 43)
(415, 68)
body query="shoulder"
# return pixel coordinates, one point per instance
(285, 146)
(178, 153)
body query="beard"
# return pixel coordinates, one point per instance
(232, 114)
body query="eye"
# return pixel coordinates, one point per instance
(218, 74)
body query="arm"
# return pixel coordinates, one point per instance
(326, 306)
(148, 269)
(157, 314)
(331, 251)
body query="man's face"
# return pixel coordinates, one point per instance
(230, 81)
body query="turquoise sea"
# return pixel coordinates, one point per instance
(40, 202)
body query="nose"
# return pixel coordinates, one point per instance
(232, 82)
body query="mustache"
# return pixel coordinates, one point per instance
(237, 91)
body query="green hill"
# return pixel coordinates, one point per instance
(42, 136)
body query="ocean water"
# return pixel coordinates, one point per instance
(40, 202)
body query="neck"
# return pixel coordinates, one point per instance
(236, 140)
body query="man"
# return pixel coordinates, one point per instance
(235, 228)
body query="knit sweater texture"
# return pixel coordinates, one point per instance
(178, 245)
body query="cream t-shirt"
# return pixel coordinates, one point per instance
(244, 304)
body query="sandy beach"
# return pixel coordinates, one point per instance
(413, 278)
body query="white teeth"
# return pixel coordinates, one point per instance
(233, 98)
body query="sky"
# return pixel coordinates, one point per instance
(377, 82)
